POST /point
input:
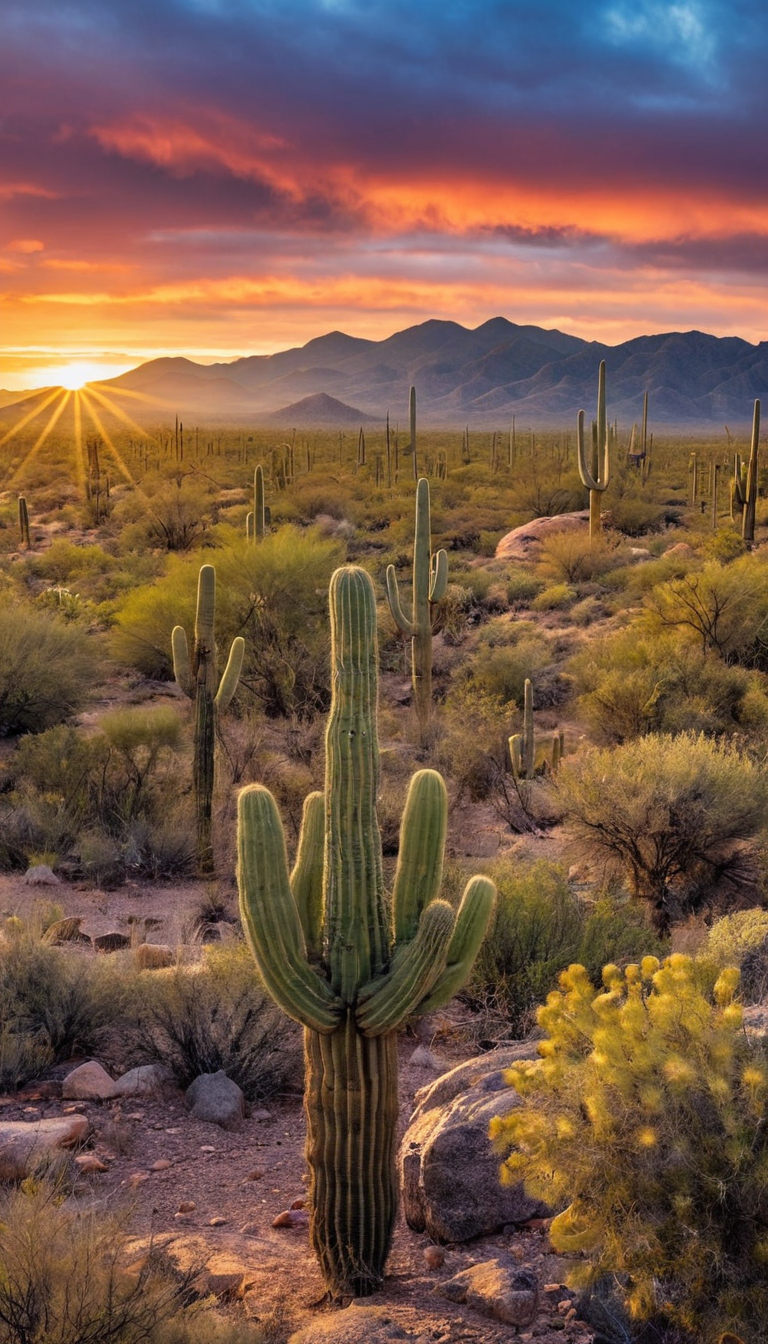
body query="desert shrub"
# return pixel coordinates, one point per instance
(473, 748)
(273, 594)
(501, 672)
(571, 557)
(635, 517)
(726, 607)
(633, 682)
(452, 613)
(741, 940)
(217, 1015)
(63, 1278)
(47, 670)
(539, 928)
(554, 598)
(178, 516)
(646, 1119)
(678, 816)
(522, 586)
(140, 736)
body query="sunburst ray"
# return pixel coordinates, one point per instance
(37, 410)
(39, 441)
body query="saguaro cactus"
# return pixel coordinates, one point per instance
(256, 521)
(523, 746)
(430, 579)
(335, 961)
(750, 499)
(595, 475)
(412, 423)
(199, 679)
(24, 522)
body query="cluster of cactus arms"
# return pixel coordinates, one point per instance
(746, 490)
(430, 580)
(24, 522)
(198, 678)
(256, 520)
(523, 747)
(337, 960)
(596, 473)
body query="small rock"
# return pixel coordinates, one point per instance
(207, 1148)
(40, 875)
(215, 1098)
(187, 1206)
(111, 942)
(162, 1164)
(261, 1115)
(354, 1325)
(299, 1203)
(24, 1143)
(291, 1218)
(434, 1257)
(89, 1082)
(422, 1058)
(146, 1080)
(257, 1174)
(496, 1289)
(217, 1222)
(154, 956)
(135, 1115)
(250, 1230)
(89, 1163)
(138, 1178)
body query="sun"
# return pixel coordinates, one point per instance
(74, 376)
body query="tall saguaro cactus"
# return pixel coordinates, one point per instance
(256, 521)
(522, 746)
(24, 522)
(750, 495)
(430, 579)
(198, 678)
(595, 474)
(412, 425)
(335, 960)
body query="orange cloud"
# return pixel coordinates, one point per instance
(25, 245)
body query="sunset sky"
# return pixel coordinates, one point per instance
(223, 177)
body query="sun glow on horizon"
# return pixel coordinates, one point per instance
(81, 372)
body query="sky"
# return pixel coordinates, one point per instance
(226, 177)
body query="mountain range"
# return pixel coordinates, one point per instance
(481, 376)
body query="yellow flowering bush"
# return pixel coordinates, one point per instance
(644, 1122)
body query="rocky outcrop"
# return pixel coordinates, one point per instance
(496, 1288)
(521, 541)
(449, 1168)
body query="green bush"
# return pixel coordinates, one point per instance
(47, 670)
(741, 940)
(555, 598)
(725, 606)
(679, 817)
(216, 1015)
(644, 1125)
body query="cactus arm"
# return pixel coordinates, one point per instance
(472, 920)
(307, 875)
(231, 677)
(439, 576)
(420, 860)
(259, 518)
(384, 1004)
(270, 917)
(393, 597)
(249, 526)
(587, 479)
(516, 752)
(180, 651)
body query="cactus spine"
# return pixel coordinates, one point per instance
(595, 475)
(198, 678)
(256, 523)
(24, 522)
(333, 960)
(430, 579)
(750, 494)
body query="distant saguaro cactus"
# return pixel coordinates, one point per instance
(430, 579)
(596, 474)
(412, 422)
(750, 494)
(198, 678)
(24, 522)
(335, 960)
(256, 522)
(522, 746)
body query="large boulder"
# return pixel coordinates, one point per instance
(144, 1081)
(215, 1098)
(88, 1082)
(518, 544)
(449, 1168)
(24, 1145)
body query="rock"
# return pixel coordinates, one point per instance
(88, 1082)
(40, 875)
(215, 1098)
(111, 942)
(154, 956)
(291, 1218)
(434, 1257)
(90, 1164)
(225, 1273)
(24, 1144)
(144, 1081)
(257, 1174)
(261, 1115)
(422, 1058)
(162, 1164)
(496, 1289)
(187, 1206)
(218, 1221)
(449, 1169)
(681, 549)
(518, 544)
(355, 1325)
(65, 931)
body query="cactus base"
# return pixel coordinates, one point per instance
(351, 1107)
